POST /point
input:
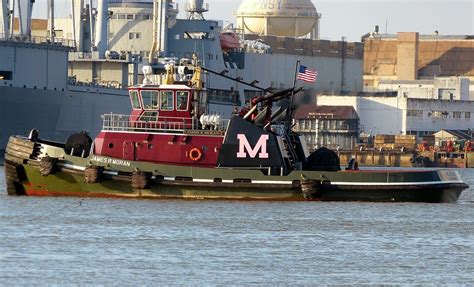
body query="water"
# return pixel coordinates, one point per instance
(131, 242)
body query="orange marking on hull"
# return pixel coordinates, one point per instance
(33, 192)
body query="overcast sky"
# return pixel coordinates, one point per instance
(354, 18)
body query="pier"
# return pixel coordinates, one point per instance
(410, 158)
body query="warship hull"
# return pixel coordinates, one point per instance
(57, 114)
(26, 174)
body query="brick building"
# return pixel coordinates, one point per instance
(409, 56)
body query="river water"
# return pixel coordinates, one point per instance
(56, 241)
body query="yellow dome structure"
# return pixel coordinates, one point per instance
(292, 18)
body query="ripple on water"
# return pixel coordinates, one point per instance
(101, 241)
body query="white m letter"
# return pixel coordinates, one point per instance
(244, 146)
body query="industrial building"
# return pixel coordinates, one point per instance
(408, 56)
(411, 111)
(413, 85)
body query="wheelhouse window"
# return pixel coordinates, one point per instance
(182, 100)
(135, 101)
(149, 116)
(150, 99)
(166, 100)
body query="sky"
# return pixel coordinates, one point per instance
(354, 18)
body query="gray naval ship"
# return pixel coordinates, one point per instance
(63, 86)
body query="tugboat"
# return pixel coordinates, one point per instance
(169, 148)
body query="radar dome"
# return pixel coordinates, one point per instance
(293, 18)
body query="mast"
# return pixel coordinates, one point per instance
(156, 8)
(160, 27)
(77, 6)
(51, 19)
(12, 16)
(4, 19)
(163, 33)
(101, 28)
(91, 26)
(25, 8)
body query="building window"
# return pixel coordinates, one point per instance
(415, 113)
(134, 35)
(456, 115)
(130, 17)
(121, 16)
(439, 114)
(467, 115)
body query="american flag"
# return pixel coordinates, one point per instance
(307, 75)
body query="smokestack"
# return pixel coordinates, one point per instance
(24, 13)
(4, 32)
(101, 28)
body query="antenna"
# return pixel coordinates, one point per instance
(238, 80)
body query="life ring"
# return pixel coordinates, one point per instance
(195, 154)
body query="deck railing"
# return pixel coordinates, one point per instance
(155, 123)
(38, 40)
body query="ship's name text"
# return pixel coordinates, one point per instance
(114, 161)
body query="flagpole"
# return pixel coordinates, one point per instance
(296, 74)
(290, 111)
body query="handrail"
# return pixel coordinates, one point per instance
(38, 40)
(155, 123)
